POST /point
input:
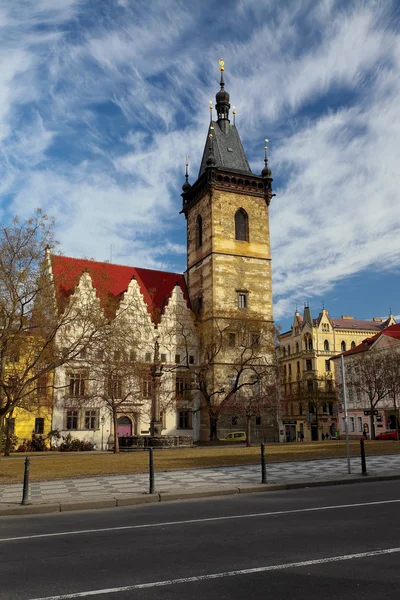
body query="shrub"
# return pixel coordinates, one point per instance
(36, 444)
(71, 444)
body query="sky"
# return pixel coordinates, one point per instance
(101, 100)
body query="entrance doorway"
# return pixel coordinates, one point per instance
(124, 425)
(290, 433)
(314, 432)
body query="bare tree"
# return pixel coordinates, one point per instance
(39, 330)
(367, 378)
(235, 357)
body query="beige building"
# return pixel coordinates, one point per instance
(309, 407)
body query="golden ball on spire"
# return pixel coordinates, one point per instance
(221, 65)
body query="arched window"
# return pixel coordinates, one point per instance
(343, 346)
(241, 225)
(288, 350)
(353, 344)
(297, 347)
(199, 232)
(326, 346)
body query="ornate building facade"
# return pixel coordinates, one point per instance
(307, 373)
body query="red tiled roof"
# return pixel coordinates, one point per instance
(111, 281)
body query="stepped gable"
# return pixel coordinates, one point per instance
(111, 282)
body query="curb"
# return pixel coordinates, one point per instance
(121, 501)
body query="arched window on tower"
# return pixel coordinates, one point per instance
(199, 232)
(353, 344)
(343, 346)
(241, 225)
(326, 346)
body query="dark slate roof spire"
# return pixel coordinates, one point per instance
(222, 98)
(266, 172)
(186, 186)
(227, 150)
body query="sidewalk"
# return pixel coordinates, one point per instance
(124, 490)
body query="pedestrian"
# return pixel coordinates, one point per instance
(301, 436)
(364, 434)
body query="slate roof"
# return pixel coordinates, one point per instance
(111, 281)
(228, 151)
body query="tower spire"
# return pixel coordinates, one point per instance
(222, 105)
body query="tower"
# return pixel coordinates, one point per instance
(228, 242)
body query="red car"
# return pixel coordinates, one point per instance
(389, 434)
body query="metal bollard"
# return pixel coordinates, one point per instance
(151, 471)
(363, 463)
(263, 465)
(25, 490)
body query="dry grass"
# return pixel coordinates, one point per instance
(48, 466)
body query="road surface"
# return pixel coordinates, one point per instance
(320, 543)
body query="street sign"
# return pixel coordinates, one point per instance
(369, 412)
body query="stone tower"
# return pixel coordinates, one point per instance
(228, 241)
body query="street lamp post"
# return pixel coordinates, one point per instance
(102, 420)
(156, 372)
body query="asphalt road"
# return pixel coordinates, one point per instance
(319, 543)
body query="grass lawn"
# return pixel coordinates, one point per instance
(55, 465)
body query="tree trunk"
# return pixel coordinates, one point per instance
(248, 431)
(2, 417)
(213, 428)
(115, 421)
(316, 423)
(372, 422)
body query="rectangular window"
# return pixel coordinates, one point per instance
(114, 387)
(163, 358)
(255, 340)
(328, 366)
(146, 387)
(147, 357)
(184, 419)
(91, 419)
(359, 424)
(77, 385)
(242, 300)
(179, 386)
(258, 420)
(234, 420)
(132, 356)
(39, 426)
(300, 409)
(308, 364)
(191, 360)
(298, 367)
(177, 359)
(351, 419)
(232, 340)
(72, 419)
(290, 370)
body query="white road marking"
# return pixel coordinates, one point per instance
(153, 584)
(193, 521)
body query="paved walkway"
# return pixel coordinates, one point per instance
(103, 487)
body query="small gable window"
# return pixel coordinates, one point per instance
(199, 232)
(241, 226)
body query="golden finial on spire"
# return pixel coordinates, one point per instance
(234, 114)
(221, 65)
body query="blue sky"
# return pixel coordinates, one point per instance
(100, 101)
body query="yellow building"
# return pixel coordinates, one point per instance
(309, 407)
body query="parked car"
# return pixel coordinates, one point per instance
(389, 434)
(234, 436)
